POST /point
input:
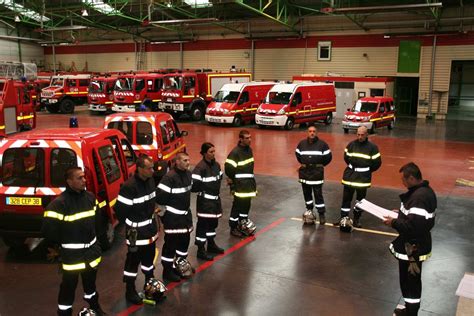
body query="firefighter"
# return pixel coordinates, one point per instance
(313, 154)
(136, 208)
(174, 196)
(207, 177)
(239, 170)
(416, 218)
(362, 158)
(69, 221)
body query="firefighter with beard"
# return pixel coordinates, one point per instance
(207, 177)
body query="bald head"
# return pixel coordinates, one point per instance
(362, 134)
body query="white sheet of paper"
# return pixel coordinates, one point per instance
(466, 287)
(375, 210)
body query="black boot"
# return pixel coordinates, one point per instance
(202, 254)
(131, 294)
(95, 306)
(356, 222)
(170, 275)
(212, 247)
(322, 219)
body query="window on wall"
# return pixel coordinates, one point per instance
(324, 50)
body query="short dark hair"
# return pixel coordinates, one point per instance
(141, 160)
(179, 155)
(205, 147)
(411, 169)
(70, 172)
(243, 132)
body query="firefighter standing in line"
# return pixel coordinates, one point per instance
(70, 221)
(416, 218)
(174, 194)
(136, 208)
(362, 158)
(207, 177)
(239, 170)
(313, 154)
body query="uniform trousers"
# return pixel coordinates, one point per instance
(145, 255)
(205, 229)
(347, 199)
(411, 287)
(67, 290)
(176, 245)
(240, 210)
(317, 190)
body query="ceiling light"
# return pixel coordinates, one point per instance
(84, 12)
(102, 7)
(17, 18)
(18, 8)
(67, 28)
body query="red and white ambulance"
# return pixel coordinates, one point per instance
(237, 103)
(371, 112)
(288, 104)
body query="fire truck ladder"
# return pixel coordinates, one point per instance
(140, 55)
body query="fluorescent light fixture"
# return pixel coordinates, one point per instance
(155, 43)
(198, 3)
(84, 12)
(17, 18)
(185, 21)
(57, 43)
(8, 37)
(102, 7)
(67, 28)
(18, 8)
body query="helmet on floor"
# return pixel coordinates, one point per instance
(183, 267)
(345, 225)
(247, 227)
(309, 217)
(87, 312)
(154, 290)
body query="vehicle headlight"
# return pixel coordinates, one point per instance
(281, 112)
(226, 111)
(207, 110)
(345, 117)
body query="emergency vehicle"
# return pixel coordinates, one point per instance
(288, 104)
(189, 92)
(133, 90)
(17, 111)
(65, 92)
(155, 134)
(32, 174)
(370, 112)
(100, 96)
(237, 103)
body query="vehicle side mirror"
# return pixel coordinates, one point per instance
(184, 133)
(348, 109)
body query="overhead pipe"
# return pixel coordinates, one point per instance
(381, 8)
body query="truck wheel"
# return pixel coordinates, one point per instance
(346, 130)
(391, 125)
(197, 112)
(106, 233)
(290, 123)
(52, 108)
(67, 106)
(328, 119)
(237, 121)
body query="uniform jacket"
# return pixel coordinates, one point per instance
(174, 192)
(314, 155)
(136, 208)
(207, 177)
(239, 168)
(70, 220)
(415, 220)
(362, 158)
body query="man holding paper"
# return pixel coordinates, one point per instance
(416, 218)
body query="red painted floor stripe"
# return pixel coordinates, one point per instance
(208, 264)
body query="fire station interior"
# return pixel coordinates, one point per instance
(286, 268)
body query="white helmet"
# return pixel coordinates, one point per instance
(345, 225)
(309, 218)
(154, 290)
(247, 227)
(183, 267)
(87, 312)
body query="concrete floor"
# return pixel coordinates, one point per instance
(290, 269)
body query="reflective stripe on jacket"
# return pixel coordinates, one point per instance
(314, 155)
(240, 162)
(362, 158)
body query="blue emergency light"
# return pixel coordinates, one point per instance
(73, 122)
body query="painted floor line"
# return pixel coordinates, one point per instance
(378, 232)
(208, 264)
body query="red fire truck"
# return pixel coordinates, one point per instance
(189, 92)
(289, 104)
(100, 95)
(33, 166)
(131, 91)
(65, 92)
(17, 112)
(370, 112)
(237, 103)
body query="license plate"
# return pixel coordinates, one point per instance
(214, 120)
(178, 107)
(264, 122)
(169, 100)
(23, 201)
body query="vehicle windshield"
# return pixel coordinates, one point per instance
(367, 107)
(124, 84)
(96, 86)
(23, 167)
(278, 97)
(57, 82)
(226, 96)
(173, 82)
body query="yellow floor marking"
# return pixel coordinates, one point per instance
(378, 232)
(461, 181)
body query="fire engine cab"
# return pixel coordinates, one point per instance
(32, 175)
(100, 95)
(237, 103)
(17, 111)
(65, 92)
(190, 92)
(288, 104)
(372, 112)
(155, 134)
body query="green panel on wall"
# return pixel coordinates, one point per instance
(409, 56)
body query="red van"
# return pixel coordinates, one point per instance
(288, 104)
(371, 112)
(32, 175)
(237, 103)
